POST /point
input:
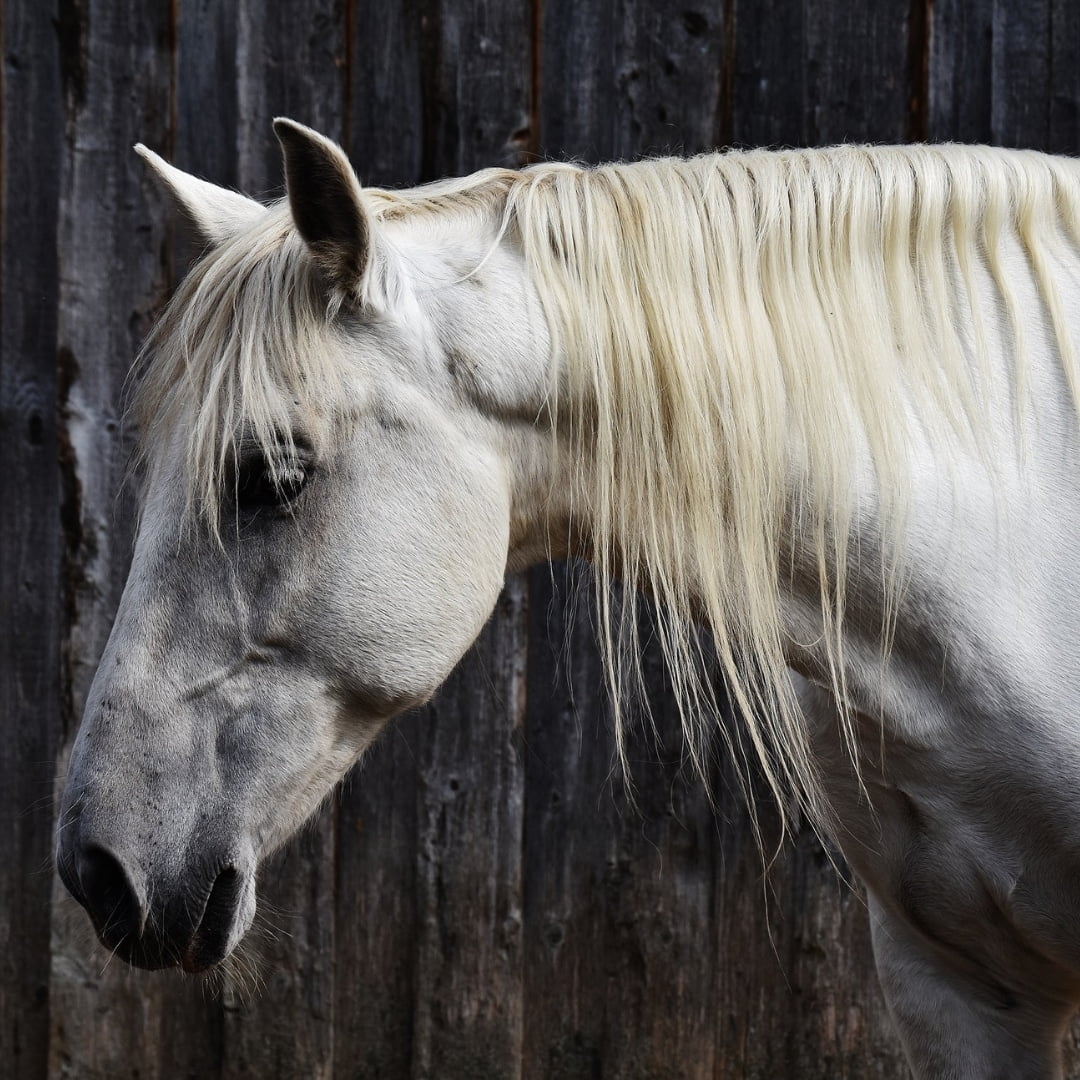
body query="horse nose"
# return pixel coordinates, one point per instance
(106, 890)
(198, 915)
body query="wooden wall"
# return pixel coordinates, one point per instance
(479, 901)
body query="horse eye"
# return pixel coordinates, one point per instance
(258, 485)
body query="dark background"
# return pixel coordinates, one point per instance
(479, 902)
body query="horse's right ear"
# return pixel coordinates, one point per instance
(216, 212)
(327, 204)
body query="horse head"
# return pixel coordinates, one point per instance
(334, 454)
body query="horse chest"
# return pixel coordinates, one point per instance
(974, 845)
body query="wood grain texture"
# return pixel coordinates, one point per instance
(811, 75)
(376, 914)
(1005, 74)
(621, 977)
(111, 245)
(646, 77)
(290, 61)
(960, 75)
(768, 87)
(285, 1028)
(31, 538)
(1020, 73)
(482, 899)
(469, 1007)
(568, 816)
(619, 898)
(385, 135)
(377, 843)
(476, 63)
(205, 130)
(857, 73)
(1064, 135)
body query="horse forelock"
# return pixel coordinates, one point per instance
(245, 345)
(252, 336)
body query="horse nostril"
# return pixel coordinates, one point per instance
(221, 904)
(108, 895)
(210, 940)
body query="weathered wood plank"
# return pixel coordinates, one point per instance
(1020, 73)
(1002, 73)
(810, 75)
(476, 59)
(476, 64)
(290, 62)
(960, 71)
(669, 72)
(661, 1005)
(204, 133)
(376, 915)
(112, 249)
(574, 112)
(205, 130)
(768, 87)
(469, 1003)
(570, 826)
(622, 79)
(619, 899)
(857, 73)
(385, 106)
(1065, 78)
(282, 1026)
(31, 538)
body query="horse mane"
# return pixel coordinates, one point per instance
(709, 314)
(712, 313)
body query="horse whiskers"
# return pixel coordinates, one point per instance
(236, 975)
(69, 814)
(109, 959)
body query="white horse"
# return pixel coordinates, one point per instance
(821, 403)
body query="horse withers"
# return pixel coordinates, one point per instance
(821, 403)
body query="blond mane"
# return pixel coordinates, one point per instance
(735, 326)
(708, 315)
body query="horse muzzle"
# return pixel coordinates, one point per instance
(190, 920)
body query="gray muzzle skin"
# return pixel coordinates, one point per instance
(191, 918)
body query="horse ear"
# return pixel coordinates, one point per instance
(327, 203)
(216, 212)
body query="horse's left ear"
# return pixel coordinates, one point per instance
(327, 204)
(216, 213)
